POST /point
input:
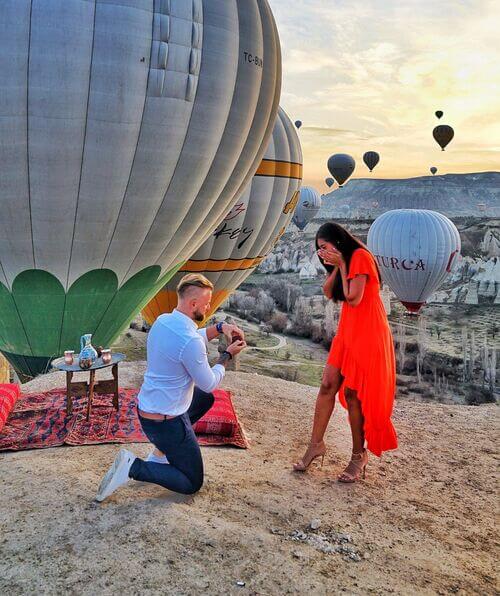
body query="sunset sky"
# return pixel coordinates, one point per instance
(369, 75)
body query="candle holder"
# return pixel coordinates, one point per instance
(106, 356)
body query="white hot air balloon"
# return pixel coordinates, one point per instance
(128, 129)
(416, 250)
(252, 227)
(307, 208)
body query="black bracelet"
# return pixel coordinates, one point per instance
(228, 353)
(219, 326)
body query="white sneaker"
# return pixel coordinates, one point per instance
(155, 459)
(117, 475)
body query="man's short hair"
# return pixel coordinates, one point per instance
(193, 280)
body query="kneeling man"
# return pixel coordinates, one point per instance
(176, 393)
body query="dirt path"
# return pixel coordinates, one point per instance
(421, 523)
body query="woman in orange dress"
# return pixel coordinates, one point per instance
(361, 363)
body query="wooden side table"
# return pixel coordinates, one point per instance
(82, 388)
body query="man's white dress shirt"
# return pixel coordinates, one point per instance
(177, 361)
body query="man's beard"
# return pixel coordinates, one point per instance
(198, 316)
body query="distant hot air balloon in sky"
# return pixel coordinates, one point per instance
(252, 227)
(416, 250)
(341, 167)
(308, 206)
(123, 147)
(371, 159)
(439, 114)
(329, 182)
(443, 134)
(298, 123)
(433, 170)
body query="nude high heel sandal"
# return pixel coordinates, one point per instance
(314, 450)
(356, 468)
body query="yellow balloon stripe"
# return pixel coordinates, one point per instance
(222, 265)
(280, 169)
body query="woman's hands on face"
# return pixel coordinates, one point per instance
(331, 256)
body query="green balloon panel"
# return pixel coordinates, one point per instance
(39, 320)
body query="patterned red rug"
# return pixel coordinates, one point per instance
(40, 420)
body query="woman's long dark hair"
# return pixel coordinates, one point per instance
(345, 243)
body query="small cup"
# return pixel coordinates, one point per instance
(69, 357)
(106, 356)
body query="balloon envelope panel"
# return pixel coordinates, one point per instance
(415, 250)
(251, 228)
(109, 113)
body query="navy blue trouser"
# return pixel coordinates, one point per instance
(176, 439)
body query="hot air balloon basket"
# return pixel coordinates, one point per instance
(39, 420)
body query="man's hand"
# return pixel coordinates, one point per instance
(230, 330)
(236, 347)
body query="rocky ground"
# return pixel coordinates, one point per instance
(423, 521)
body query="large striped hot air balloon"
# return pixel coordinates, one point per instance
(251, 229)
(127, 131)
(416, 250)
(307, 208)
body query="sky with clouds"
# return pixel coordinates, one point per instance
(369, 75)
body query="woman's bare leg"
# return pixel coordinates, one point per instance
(356, 420)
(325, 402)
(356, 467)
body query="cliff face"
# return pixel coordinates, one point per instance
(454, 195)
(474, 281)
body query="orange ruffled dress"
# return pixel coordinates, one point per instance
(363, 350)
